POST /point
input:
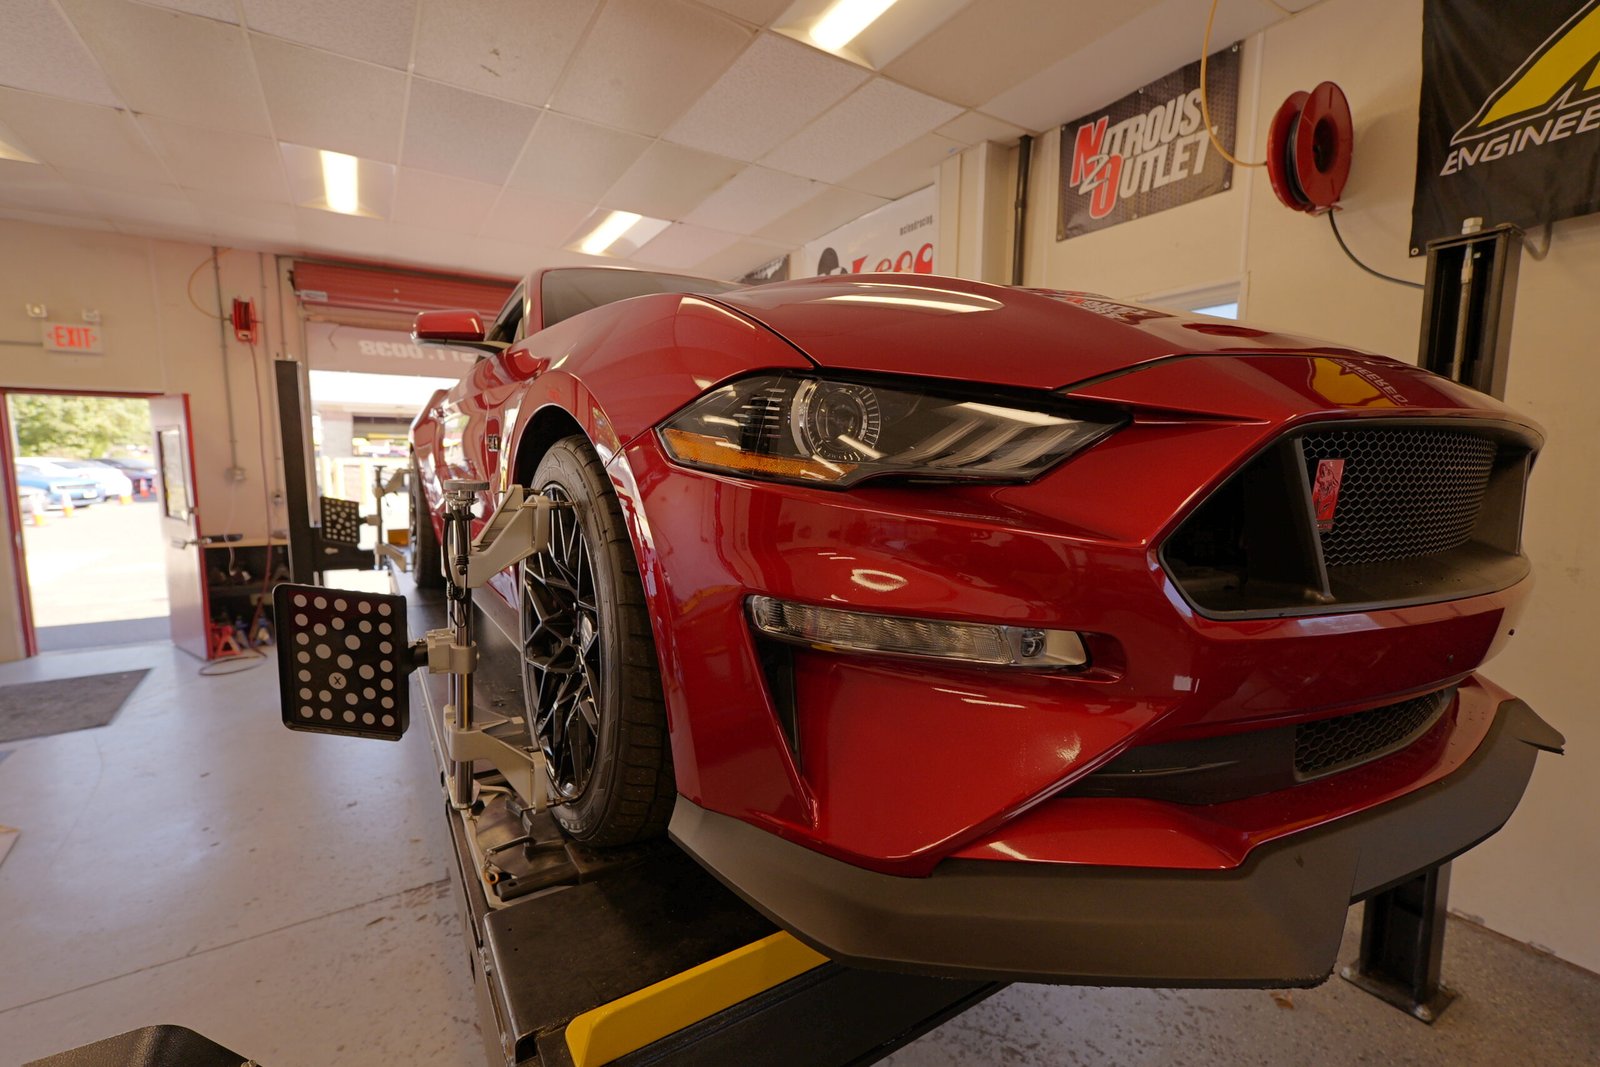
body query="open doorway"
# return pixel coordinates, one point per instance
(360, 424)
(93, 555)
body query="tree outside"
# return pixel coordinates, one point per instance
(80, 427)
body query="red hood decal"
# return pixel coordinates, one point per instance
(971, 331)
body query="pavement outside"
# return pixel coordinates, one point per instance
(103, 564)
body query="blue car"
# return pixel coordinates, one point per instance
(60, 485)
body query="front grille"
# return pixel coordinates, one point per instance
(1357, 515)
(1406, 492)
(1330, 745)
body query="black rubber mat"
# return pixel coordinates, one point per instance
(61, 705)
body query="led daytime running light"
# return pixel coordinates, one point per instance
(892, 635)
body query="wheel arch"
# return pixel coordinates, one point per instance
(545, 427)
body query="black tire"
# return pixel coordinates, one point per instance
(427, 561)
(590, 677)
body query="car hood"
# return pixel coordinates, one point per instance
(971, 331)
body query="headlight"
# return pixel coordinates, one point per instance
(820, 431)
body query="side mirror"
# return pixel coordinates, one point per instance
(448, 327)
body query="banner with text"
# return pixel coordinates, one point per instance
(1149, 151)
(1509, 125)
(899, 236)
(330, 346)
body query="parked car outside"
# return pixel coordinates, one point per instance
(139, 471)
(61, 486)
(112, 482)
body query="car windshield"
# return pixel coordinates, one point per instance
(565, 293)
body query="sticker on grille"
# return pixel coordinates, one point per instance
(1404, 492)
(1344, 741)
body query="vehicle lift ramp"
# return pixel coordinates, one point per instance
(579, 956)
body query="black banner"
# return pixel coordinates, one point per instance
(1509, 124)
(1149, 151)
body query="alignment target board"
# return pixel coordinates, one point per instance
(343, 661)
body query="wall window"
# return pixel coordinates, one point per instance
(1218, 301)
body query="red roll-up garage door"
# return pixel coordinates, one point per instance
(384, 289)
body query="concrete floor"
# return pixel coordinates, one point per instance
(286, 895)
(106, 562)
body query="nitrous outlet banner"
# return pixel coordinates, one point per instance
(1148, 151)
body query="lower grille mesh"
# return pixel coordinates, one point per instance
(1406, 492)
(1330, 745)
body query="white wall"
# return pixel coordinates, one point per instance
(156, 341)
(1536, 880)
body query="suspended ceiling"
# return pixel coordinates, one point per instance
(492, 132)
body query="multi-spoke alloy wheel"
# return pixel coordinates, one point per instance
(589, 674)
(561, 650)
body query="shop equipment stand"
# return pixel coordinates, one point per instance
(579, 956)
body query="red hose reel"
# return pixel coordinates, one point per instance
(1308, 149)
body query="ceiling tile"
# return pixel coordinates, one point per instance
(39, 51)
(350, 234)
(220, 161)
(871, 122)
(222, 10)
(514, 49)
(905, 169)
(148, 204)
(575, 160)
(1018, 39)
(753, 198)
(528, 218)
(214, 205)
(64, 133)
(760, 12)
(740, 258)
(440, 202)
(175, 66)
(375, 30)
(821, 215)
(645, 61)
(490, 256)
(428, 246)
(95, 221)
(668, 181)
(770, 92)
(975, 127)
(36, 188)
(683, 246)
(1159, 41)
(327, 101)
(469, 135)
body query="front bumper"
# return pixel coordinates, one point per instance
(1275, 920)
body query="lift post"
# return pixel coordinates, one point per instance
(1466, 336)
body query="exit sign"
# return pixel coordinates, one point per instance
(72, 337)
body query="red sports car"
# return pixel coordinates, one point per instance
(993, 631)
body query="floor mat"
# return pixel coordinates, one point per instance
(35, 709)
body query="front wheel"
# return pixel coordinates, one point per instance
(589, 669)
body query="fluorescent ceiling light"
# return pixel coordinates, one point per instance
(845, 20)
(621, 233)
(334, 181)
(341, 183)
(608, 233)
